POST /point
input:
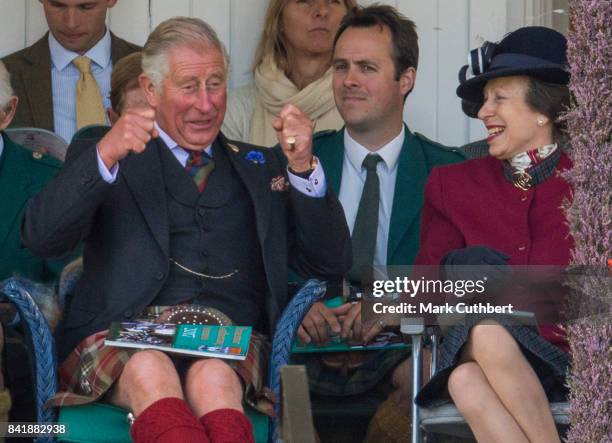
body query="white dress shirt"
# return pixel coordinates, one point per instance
(1, 144)
(353, 179)
(64, 77)
(305, 186)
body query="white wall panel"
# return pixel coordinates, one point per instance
(420, 108)
(217, 14)
(130, 20)
(35, 24)
(452, 124)
(12, 23)
(164, 9)
(246, 26)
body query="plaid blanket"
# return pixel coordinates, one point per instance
(91, 368)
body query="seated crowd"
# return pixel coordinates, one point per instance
(166, 210)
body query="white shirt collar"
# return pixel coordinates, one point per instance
(100, 54)
(390, 152)
(174, 146)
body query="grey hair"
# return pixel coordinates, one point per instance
(176, 31)
(6, 91)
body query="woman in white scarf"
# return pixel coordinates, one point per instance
(292, 65)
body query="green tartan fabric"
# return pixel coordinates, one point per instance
(91, 369)
(539, 172)
(326, 381)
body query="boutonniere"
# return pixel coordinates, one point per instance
(255, 157)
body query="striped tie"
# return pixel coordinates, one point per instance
(199, 166)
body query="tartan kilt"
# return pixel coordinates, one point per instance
(92, 368)
(327, 381)
(549, 362)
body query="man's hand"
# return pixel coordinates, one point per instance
(294, 132)
(374, 324)
(351, 321)
(314, 327)
(131, 133)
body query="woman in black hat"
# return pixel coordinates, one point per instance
(505, 209)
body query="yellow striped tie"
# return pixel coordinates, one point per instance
(89, 107)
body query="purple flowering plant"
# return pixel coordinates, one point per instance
(589, 215)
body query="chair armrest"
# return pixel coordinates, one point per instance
(413, 328)
(40, 338)
(286, 330)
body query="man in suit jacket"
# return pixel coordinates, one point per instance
(43, 75)
(152, 238)
(375, 60)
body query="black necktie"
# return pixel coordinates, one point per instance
(366, 222)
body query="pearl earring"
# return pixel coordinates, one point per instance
(540, 122)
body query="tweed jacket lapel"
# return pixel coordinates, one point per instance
(38, 81)
(38, 78)
(255, 178)
(142, 173)
(409, 189)
(13, 188)
(120, 48)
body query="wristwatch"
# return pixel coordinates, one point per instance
(305, 174)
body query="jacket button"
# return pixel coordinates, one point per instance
(159, 276)
(201, 211)
(522, 248)
(85, 179)
(128, 314)
(524, 198)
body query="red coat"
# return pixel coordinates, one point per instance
(472, 203)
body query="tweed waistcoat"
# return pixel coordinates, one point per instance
(213, 233)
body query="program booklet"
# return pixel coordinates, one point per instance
(229, 342)
(384, 340)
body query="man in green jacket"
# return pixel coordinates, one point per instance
(378, 168)
(23, 174)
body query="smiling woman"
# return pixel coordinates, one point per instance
(292, 65)
(505, 209)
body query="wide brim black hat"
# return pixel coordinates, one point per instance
(533, 51)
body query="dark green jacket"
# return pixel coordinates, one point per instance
(23, 174)
(418, 157)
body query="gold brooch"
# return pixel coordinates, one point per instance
(522, 180)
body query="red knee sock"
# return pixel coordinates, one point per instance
(227, 426)
(168, 420)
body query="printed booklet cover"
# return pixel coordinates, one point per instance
(230, 342)
(384, 340)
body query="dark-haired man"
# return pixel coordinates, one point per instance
(378, 167)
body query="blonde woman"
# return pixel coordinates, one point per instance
(292, 65)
